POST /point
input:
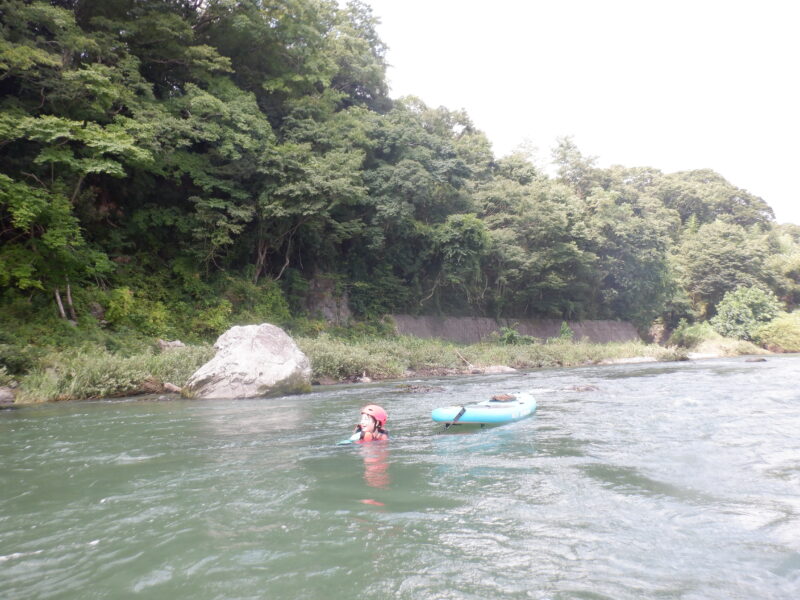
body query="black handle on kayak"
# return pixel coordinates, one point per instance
(458, 416)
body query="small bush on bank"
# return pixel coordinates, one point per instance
(17, 359)
(744, 310)
(5, 377)
(782, 334)
(690, 336)
(511, 337)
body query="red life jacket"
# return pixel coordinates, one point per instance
(372, 436)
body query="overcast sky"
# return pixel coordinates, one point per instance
(674, 85)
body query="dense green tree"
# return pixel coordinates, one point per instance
(576, 170)
(783, 265)
(459, 245)
(61, 136)
(631, 236)
(360, 58)
(535, 266)
(188, 159)
(707, 196)
(717, 259)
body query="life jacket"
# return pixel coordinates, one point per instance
(371, 436)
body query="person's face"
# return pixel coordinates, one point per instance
(367, 423)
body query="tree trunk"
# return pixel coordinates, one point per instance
(69, 303)
(286, 263)
(261, 259)
(60, 305)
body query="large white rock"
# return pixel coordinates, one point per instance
(252, 361)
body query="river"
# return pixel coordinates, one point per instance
(657, 480)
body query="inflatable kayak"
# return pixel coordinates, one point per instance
(503, 408)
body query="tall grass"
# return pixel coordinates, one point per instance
(395, 357)
(97, 373)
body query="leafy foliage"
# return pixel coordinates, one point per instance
(174, 168)
(782, 334)
(743, 310)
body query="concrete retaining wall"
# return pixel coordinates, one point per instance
(470, 330)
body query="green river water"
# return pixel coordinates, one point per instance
(667, 480)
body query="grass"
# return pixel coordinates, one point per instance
(383, 358)
(96, 372)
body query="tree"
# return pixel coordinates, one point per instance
(707, 196)
(631, 235)
(459, 245)
(576, 170)
(535, 266)
(783, 265)
(717, 259)
(360, 58)
(62, 135)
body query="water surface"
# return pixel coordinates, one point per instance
(674, 480)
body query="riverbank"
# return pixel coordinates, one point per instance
(93, 372)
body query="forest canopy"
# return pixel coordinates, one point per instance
(175, 166)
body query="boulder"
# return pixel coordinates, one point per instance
(6, 395)
(252, 361)
(165, 345)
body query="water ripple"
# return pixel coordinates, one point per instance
(656, 481)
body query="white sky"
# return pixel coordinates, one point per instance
(673, 85)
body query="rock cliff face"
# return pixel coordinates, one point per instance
(324, 300)
(252, 361)
(471, 330)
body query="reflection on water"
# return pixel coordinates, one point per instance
(661, 481)
(376, 464)
(257, 417)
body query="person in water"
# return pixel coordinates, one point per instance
(370, 428)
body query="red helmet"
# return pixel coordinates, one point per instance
(376, 412)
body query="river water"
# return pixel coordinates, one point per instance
(666, 480)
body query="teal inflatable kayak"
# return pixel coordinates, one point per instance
(503, 408)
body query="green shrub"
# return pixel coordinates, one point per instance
(5, 377)
(744, 310)
(691, 336)
(782, 334)
(511, 337)
(17, 359)
(120, 305)
(213, 320)
(305, 327)
(257, 303)
(383, 294)
(126, 309)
